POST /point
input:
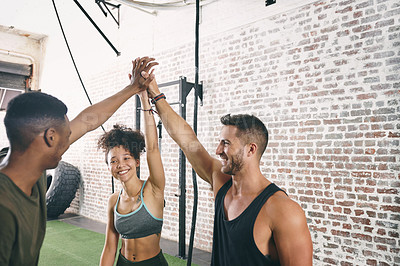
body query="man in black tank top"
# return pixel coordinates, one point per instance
(255, 222)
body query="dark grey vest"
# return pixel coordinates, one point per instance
(137, 224)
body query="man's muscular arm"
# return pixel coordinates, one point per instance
(207, 167)
(290, 231)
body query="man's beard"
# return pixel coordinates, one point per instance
(236, 164)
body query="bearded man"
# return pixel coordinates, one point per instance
(255, 222)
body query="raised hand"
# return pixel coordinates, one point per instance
(140, 68)
(152, 89)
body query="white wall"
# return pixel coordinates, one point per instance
(323, 75)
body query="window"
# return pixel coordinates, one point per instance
(14, 80)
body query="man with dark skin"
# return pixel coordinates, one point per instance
(278, 233)
(39, 133)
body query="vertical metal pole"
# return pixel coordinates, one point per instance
(137, 126)
(159, 126)
(138, 106)
(182, 176)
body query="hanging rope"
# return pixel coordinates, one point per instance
(77, 71)
(196, 87)
(70, 53)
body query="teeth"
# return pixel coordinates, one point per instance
(123, 172)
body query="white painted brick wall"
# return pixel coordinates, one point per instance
(323, 76)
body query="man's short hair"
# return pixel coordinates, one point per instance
(29, 114)
(250, 129)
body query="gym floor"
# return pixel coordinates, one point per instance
(200, 257)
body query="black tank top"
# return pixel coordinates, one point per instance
(233, 241)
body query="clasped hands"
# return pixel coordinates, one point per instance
(141, 78)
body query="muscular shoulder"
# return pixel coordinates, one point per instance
(288, 225)
(283, 211)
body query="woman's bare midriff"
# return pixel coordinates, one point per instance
(140, 249)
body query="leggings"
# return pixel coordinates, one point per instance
(157, 260)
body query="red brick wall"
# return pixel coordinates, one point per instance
(325, 80)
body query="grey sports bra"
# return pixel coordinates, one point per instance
(137, 224)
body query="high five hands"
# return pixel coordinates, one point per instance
(140, 77)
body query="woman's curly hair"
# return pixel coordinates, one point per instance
(120, 135)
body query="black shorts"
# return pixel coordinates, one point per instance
(157, 260)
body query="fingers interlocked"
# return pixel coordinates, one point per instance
(140, 69)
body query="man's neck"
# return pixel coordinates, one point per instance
(24, 171)
(248, 181)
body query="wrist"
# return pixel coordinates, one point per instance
(153, 94)
(132, 89)
(144, 101)
(158, 97)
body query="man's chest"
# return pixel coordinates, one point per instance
(234, 206)
(248, 224)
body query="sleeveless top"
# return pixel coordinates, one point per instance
(136, 224)
(233, 241)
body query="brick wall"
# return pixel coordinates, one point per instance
(324, 77)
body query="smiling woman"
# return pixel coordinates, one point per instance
(136, 212)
